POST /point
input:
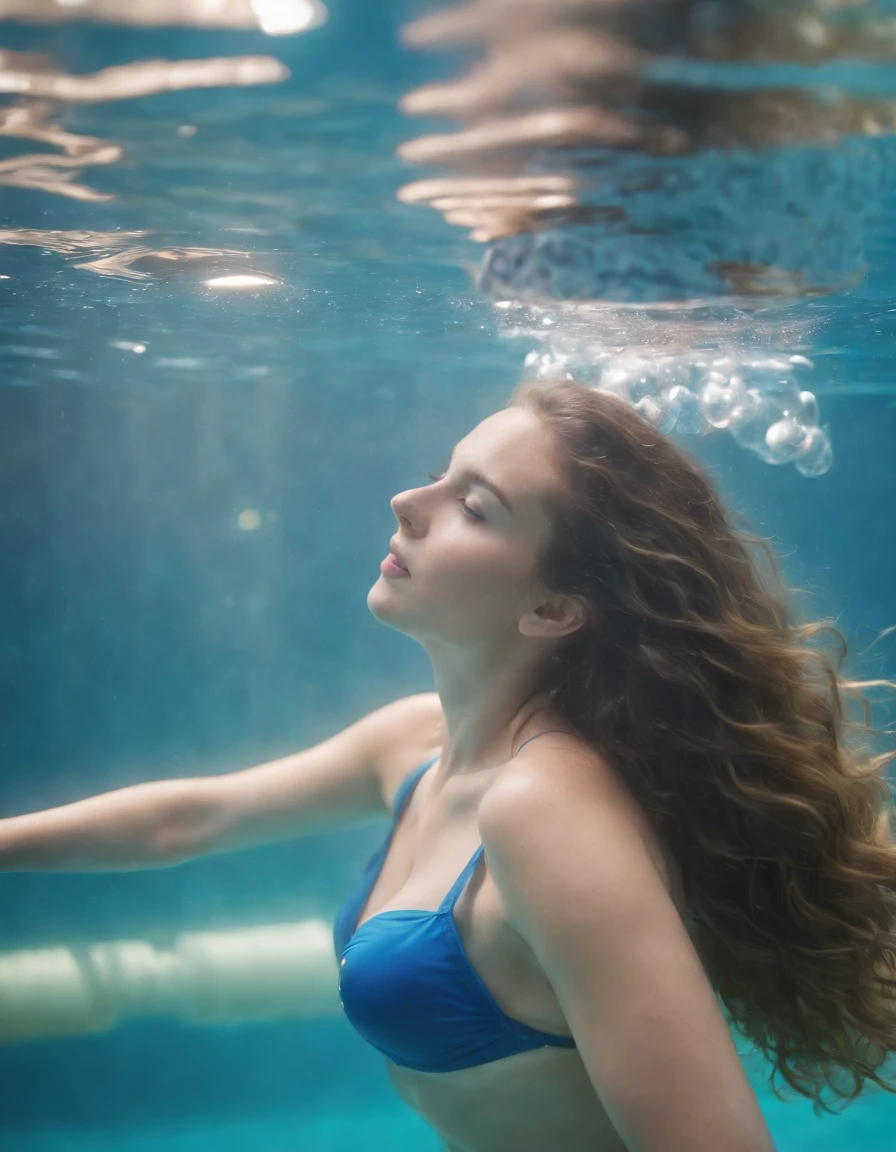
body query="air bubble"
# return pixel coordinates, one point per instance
(651, 411)
(754, 396)
(785, 440)
(754, 399)
(808, 413)
(750, 420)
(817, 456)
(719, 402)
(690, 421)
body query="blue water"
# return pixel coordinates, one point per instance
(195, 483)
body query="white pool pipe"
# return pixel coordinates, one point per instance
(274, 972)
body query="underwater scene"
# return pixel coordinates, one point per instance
(263, 263)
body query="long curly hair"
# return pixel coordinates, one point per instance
(751, 755)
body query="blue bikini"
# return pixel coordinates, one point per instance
(407, 985)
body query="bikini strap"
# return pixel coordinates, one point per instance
(407, 786)
(535, 737)
(459, 884)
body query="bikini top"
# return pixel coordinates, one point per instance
(407, 985)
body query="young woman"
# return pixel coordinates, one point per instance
(628, 812)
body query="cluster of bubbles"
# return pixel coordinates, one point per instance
(756, 399)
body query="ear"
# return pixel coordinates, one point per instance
(555, 618)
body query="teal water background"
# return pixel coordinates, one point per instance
(194, 501)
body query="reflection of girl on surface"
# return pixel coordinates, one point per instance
(693, 824)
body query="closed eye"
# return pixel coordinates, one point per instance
(470, 512)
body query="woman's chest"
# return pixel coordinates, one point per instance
(434, 862)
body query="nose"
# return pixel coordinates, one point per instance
(402, 503)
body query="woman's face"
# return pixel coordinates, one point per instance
(471, 555)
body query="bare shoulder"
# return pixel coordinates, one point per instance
(413, 731)
(565, 849)
(568, 787)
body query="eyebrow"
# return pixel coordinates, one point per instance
(475, 475)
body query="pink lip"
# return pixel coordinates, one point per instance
(393, 548)
(391, 566)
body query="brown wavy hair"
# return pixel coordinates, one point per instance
(734, 729)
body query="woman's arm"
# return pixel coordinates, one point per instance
(165, 822)
(578, 882)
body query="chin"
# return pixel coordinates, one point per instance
(378, 599)
(383, 607)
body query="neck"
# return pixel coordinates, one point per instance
(487, 701)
